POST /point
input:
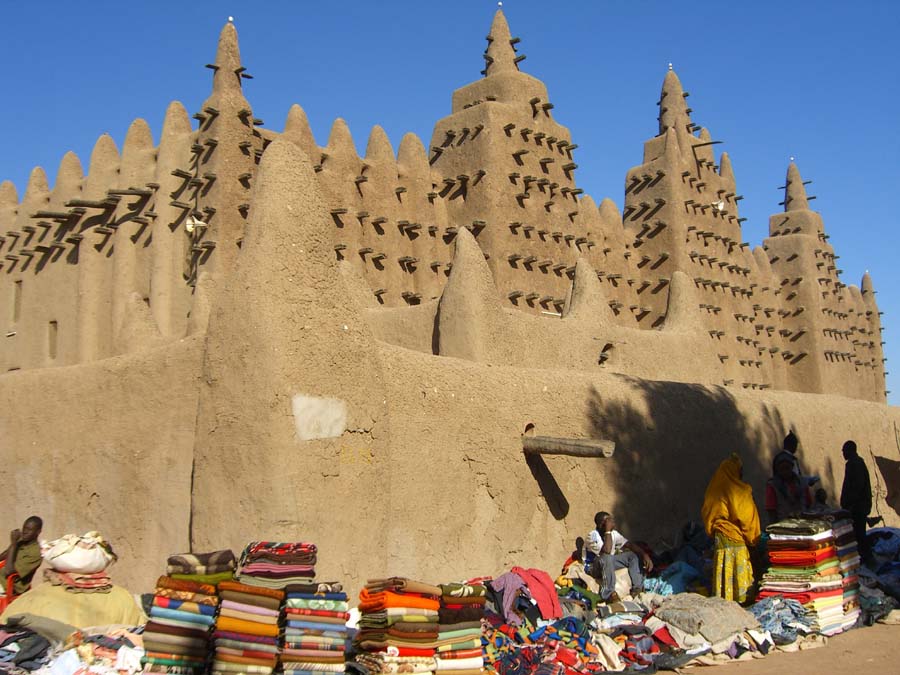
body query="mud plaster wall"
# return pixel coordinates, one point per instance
(105, 446)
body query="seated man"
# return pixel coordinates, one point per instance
(606, 550)
(23, 556)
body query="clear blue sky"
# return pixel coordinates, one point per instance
(817, 80)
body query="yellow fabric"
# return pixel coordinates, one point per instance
(728, 506)
(733, 574)
(78, 609)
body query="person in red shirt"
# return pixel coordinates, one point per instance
(786, 493)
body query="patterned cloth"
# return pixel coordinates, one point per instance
(733, 575)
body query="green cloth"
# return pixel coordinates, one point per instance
(28, 559)
(211, 579)
(309, 603)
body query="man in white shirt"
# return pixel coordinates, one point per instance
(606, 550)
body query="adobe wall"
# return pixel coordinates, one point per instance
(105, 446)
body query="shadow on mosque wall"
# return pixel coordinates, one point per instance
(890, 479)
(668, 449)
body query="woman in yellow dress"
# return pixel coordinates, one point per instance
(730, 515)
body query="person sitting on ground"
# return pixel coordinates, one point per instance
(820, 502)
(730, 515)
(606, 551)
(786, 494)
(23, 556)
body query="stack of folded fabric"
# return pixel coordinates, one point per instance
(275, 565)
(398, 624)
(804, 566)
(246, 630)
(849, 560)
(177, 635)
(205, 568)
(315, 631)
(459, 641)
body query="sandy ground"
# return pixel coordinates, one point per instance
(867, 650)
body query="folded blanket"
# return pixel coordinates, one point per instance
(195, 631)
(305, 644)
(184, 606)
(162, 638)
(304, 667)
(401, 584)
(290, 616)
(199, 570)
(192, 562)
(320, 656)
(209, 579)
(248, 608)
(267, 660)
(243, 637)
(375, 601)
(175, 623)
(244, 644)
(97, 582)
(336, 595)
(223, 667)
(460, 664)
(315, 587)
(157, 656)
(471, 600)
(461, 654)
(303, 633)
(151, 643)
(462, 590)
(226, 623)
(188, 596)
(317, 603)
(251, 599)
(246, 616)
(183, 585)
(262, 656)
(188, 617)
(251, 590)
(317, 612)
(311, 625)
(271, 583)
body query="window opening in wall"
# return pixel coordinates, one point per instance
(17, 300)
(52, 335)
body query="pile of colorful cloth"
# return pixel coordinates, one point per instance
(459, 628)
(398, 625)
(315, 631)
(176, 638)
(273, 564)
(205, 568)
(804, 566)
(246, 630)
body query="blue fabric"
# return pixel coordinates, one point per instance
(176, 615)
(318, 596)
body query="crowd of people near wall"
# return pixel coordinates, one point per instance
(730, 589)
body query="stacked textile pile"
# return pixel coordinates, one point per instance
(398, 626)
(850, 561)
(459, 628)
(275, 565)
(205, 568)
(79, 564)
(177, 634)
(315, 631)
(804, 566)
(246, 630)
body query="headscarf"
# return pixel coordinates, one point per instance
(728, 505)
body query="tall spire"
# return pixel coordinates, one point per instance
(672, 106)
(500, 55)
(227, 66)
(794, 193)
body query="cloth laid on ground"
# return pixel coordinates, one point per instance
(78, 609)
(784, 618)
(715, 619)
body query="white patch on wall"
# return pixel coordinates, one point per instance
(317, 417)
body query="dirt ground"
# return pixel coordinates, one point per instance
(869, 650)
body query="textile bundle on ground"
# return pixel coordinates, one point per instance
(79, 563)
(176, 638)
(804, 566)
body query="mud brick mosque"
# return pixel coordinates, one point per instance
(232, 332)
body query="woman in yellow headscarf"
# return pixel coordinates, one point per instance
(730, 515)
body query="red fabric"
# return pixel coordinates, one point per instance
(803, 598)
(410, 651)
(542, 590)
